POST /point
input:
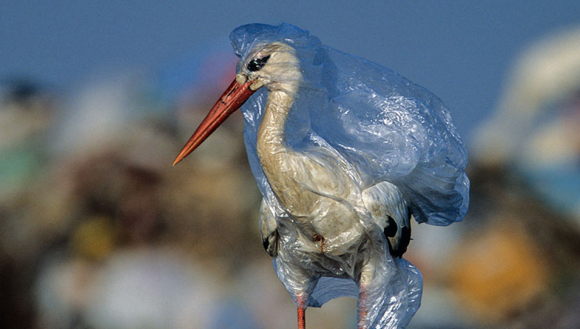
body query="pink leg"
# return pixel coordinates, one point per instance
(301, 312)
(363, 310)
(301, 318)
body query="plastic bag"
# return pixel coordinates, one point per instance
(381, 128)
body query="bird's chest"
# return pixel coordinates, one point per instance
(316, 192)
(320, 225)
(306, 183)
(328, 240)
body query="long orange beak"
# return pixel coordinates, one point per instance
(229, 102)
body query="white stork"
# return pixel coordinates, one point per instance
(336, 216)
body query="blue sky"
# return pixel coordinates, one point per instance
(460, 50)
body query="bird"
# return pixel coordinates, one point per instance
(345, 152)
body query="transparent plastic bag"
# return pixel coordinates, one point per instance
(380, 127)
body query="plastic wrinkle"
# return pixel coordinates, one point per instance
(352, 125)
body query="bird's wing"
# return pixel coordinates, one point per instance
(389, 210)
(392, 130)
(268, 229)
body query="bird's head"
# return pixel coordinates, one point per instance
(273, 65)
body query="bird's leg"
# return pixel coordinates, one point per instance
(302, 312)
(383, 293)
(301, 318)
(299, 282)
(363, 312)
(366, 283)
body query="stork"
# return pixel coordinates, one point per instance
(336, 210)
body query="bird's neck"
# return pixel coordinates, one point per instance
(271, 134)
(280, 163)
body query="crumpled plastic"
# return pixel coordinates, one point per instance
(388, 129)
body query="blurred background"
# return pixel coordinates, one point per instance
(98, 230)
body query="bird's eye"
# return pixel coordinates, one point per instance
(257, 63)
